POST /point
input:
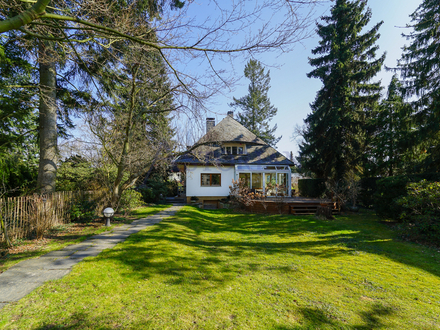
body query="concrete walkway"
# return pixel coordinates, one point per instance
(26, 276)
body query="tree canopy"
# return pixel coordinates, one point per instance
(65, 32)
(334, 138)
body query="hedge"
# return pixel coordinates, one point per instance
(313, 188)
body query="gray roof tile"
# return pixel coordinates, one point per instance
(230, 130)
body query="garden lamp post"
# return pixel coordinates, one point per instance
(108, 213)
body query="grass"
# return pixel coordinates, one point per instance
(215, 269)
(67, 234)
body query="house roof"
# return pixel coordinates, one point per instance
(230, 130)
(209, 150)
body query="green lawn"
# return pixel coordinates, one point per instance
(67, 234)
(213, 269)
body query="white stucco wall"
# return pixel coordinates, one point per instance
(193, 175)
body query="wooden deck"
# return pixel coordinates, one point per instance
(291, 205)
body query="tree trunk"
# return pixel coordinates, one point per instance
(48, 120)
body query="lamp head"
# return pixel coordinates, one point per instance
(108, 212)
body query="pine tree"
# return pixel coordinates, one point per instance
(256, 108)
(420, 69)
(335, 134)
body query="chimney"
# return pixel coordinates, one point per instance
(231, 114)
(210, 123)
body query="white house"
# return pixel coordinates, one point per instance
(229, 151)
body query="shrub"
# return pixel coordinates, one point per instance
(390, 189)
(344, 191)
(172, 188)
(157, 188)
(130, 199)
(82, 210)
(422, 209)
(313, 188)
(147, 193)
(337, 190)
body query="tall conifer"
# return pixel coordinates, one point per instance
(391, 128)
(256, 108)
(335, 133)
(420, 65)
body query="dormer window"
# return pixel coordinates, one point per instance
(233, 150)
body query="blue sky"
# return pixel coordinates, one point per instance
(292, 92)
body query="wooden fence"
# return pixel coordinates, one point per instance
(33, 215)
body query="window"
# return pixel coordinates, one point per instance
(246, 177)
(257, 181)
(208, 180)
(233, 150)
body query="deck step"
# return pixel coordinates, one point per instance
(175, 200)
(309, 208)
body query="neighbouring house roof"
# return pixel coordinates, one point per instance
(209, 149)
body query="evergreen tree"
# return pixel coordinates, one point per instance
(18, 120)
(420, 64)
(335, 132)
(256, 108)
(391, 136)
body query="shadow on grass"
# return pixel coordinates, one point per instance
(214, 245)
(315, 318)
(206, 249)
(214, 236)
(82, 320)
(312, 318)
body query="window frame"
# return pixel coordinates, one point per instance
(210, 180)
(234, 150)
